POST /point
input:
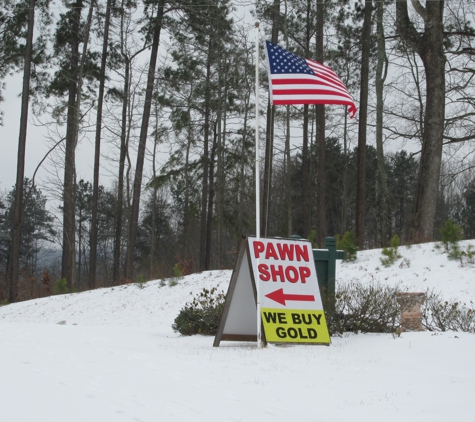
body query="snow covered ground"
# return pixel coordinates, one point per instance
(110, 355)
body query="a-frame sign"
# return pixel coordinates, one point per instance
(291, 308)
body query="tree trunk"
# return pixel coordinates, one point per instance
(186, 213)
(429, 45)
(209, 222)
(306, 203)
(134, 215)
(344, 193)
(18, 204)
(222, 116)
(242, 180)
(288, 175)
(382, 192)
(68, 263)
(154, 199)
(204, 188)
(320, 120)
(120, 183)
(97, 151)
(361, 154)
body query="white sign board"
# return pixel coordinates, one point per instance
(283, 272)
(291, 305)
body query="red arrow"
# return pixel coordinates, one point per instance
(280, 297)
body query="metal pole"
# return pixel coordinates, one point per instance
(258, 217)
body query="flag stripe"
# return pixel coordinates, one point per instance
(308, 84)
(302, 91)
(281, 88)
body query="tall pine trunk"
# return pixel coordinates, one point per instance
(205, 160)
(209, 222)
(306, 203)
(120, 184)
(382, 192)
(320, 120)
(361, 152)
(68, 262)
(134, 214)
(97, 151)
(186, 205)
(18, 202)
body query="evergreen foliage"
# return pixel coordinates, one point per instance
(348, 243)
(201, 315)
(140, 280)
(451, 234)
(60, 287)
(36, 230)
(391, 253)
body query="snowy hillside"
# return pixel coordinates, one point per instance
(110, 355)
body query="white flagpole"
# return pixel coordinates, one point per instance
(258, 216)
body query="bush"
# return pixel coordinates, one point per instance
(366, 308)
(4, 302)
(202, 315)
(60, 287)
(440, 315)
(391, 253)
(348, 243)
(373, 308)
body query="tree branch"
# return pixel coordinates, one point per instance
(452, 140)
(405, 28)
(420, 9)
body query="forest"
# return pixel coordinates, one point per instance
(136, 78)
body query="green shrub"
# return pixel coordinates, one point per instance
(141, 281)
(450, 236)
(313, 239)
(201, 315)
(391, 253)
(60, 287)
(177, 271)
(177, 275)
(470, 254)
(348, 243)
(3, 302)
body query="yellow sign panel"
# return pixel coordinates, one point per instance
(295, 326)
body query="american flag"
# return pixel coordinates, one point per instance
(295, 80)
